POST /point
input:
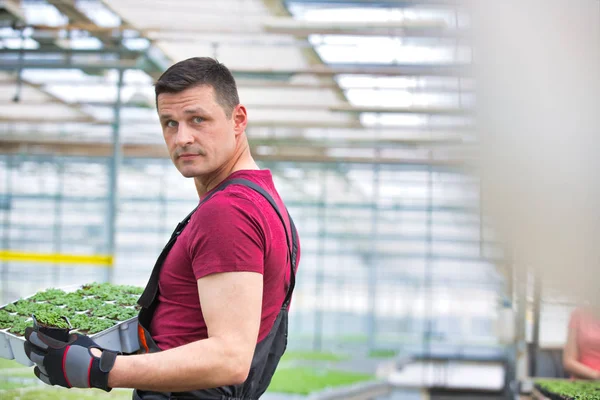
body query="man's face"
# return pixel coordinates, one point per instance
(199, 136)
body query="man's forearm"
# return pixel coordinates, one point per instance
(203, 364)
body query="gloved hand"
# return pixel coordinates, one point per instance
(69, 364)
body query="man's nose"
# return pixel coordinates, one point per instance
(184, 136)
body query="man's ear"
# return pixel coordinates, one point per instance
(240, 119)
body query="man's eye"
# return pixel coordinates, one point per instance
(197, 120)
(171, 124)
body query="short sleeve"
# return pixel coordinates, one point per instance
(229, 237)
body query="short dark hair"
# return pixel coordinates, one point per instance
(198, 71)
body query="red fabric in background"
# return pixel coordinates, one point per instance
(588, 337)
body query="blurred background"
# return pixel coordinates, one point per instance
(429, 223)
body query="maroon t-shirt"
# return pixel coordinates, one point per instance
(235, 230)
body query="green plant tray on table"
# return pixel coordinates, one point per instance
(562, 389)
(104, 311)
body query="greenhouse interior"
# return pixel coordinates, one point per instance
(365, 113)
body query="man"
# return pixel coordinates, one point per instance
(213, 323)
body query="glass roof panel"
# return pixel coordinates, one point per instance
(39, 13)
(18, 43)
(98, 12)
(383, 50)
(391, 91)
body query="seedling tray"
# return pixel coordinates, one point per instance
(107, 313)
(564, 389)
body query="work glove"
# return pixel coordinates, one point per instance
(69, 364)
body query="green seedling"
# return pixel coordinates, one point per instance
(21, 306)
(81, 322)
(126, 300)
(115, 312)
(83, 304)
(26, 308)
(107, 291)
(132, 290)
(49, 295)
(65, 300)
(100, 325)
(571, 390)
(89, 325)
(51, 319)
(19, 326)
(6, 320)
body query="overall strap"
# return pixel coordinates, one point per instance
(293, 247)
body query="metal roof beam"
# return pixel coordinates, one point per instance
(406, 28)
(453, 70)
(348, 108)
(293, 141)
(429, 33)
(426, 89)
(10, 11)
(88, 65)
(51, 120)
(318, 70)
(293, 23)
(231, 37)
(385, 3)
(70, 10)
(61, 51)
(257, 133)
(323, 124)
(54, 100)
(260, 152)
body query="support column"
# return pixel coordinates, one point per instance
(521, 351)
(6, 228)
(319, 276)
(427, 273)
(537, 311)
(58, 212)
(113, 186)
(371, 261)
